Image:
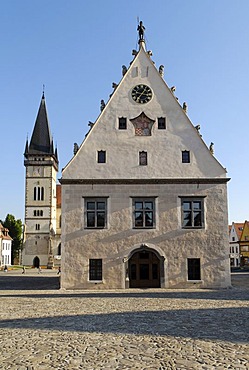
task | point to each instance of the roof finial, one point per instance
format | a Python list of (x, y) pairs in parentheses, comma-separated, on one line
[(141, 29), (43, 90)]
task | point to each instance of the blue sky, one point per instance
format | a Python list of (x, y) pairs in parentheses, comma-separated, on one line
[(77, 48)]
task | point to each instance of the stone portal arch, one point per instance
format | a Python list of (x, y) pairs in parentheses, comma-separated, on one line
[(36, 262), (145, 267)]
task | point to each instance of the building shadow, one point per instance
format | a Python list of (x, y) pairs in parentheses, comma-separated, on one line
[(207, 324)]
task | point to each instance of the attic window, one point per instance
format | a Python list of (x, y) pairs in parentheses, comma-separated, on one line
[(122, 123), (185, 156), (143, 158), (161, 123), (101, 156)]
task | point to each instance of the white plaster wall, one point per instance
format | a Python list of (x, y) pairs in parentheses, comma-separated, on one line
[(114, 243)]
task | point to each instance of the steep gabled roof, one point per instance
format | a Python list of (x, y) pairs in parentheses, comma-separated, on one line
[(164, 147), (245, 232), (4, 233), (238, 228), (58, 195)]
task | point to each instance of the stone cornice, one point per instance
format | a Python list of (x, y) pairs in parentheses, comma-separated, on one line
[(219, 180)]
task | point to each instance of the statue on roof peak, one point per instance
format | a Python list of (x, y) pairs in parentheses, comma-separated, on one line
[(141, 30)]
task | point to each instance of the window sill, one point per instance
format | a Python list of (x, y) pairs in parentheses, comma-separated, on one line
[(193, 227), (194, 281), (95, 228), (96, 281), (143, 228)]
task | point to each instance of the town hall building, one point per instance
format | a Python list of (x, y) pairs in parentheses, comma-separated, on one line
[(144, 200)]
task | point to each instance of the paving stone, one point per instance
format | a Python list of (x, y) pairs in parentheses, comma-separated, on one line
[(132, 329)]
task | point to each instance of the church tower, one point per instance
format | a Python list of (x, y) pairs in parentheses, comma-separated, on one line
[(41, 162)]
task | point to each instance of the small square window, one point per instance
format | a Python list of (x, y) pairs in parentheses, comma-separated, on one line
[(161, 123), (143, 158), (194, 269), (185, 156), (102, 156), (122, 123), (95, 269)]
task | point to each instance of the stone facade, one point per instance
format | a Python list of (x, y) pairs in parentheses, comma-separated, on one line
[(162, 198), (41, 234)]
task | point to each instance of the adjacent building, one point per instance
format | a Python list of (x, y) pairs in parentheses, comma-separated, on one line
[(244, 244), (5, 246), (235, 232), (42, 196), (144, 200)]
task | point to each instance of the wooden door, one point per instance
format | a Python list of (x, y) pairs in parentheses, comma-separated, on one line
[(144, 270)]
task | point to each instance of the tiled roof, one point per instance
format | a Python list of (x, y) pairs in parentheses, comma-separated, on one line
[(4, 233), (58, 196), (238, 228)]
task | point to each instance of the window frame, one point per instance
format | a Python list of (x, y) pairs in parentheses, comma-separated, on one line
[(95, 272), (101, 156), (185, 156), (143, 158), (192, 211), (38, 193), (96, 211), (122, 123), (194, 271), (144, 211), (161, 123)]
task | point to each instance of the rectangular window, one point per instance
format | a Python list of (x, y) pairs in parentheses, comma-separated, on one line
[(122, 123), (102, 156), (161, 121), (37, 226), (95, 269), (96, 213), (192, 213), (185, 156), (144, 213), (194, 269), (143, 159)]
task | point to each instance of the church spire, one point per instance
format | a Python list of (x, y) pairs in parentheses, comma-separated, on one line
[(41, 141)]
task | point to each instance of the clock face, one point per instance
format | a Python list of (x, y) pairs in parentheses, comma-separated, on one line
[(141, 94)]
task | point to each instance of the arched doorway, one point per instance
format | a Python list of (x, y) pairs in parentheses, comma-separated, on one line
[(36, 262), (144, 269)]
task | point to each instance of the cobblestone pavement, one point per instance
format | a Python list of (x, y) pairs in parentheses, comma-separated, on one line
[(42, 327)]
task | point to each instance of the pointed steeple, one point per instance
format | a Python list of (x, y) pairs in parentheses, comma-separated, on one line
[(26, 152), (41, 141)]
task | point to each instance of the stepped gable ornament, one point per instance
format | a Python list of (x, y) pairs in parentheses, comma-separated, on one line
[(185, 107), (142, 125), (75, 148), (102, 105), (141, 29), (124, 70), (161, 70)]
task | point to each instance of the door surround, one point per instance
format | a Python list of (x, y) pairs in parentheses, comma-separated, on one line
[(147, 248)]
